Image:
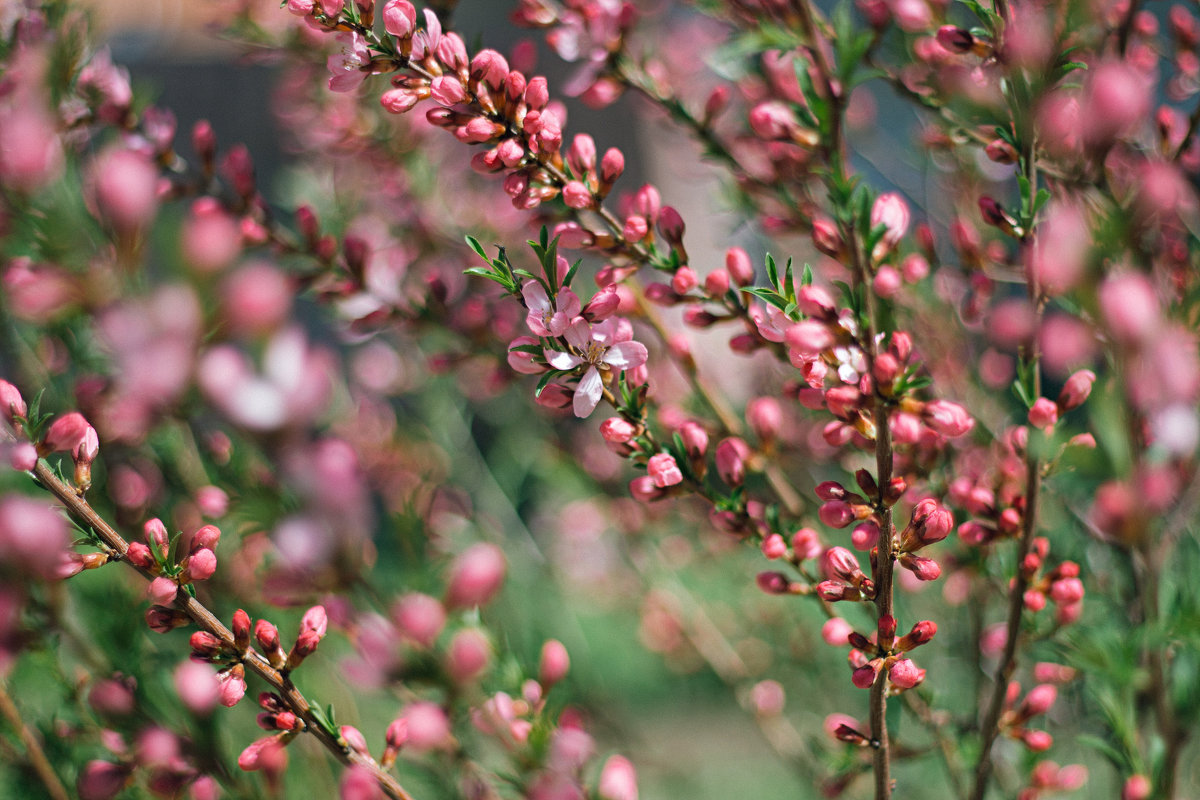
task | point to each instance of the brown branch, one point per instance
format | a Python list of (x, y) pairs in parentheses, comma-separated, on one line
[(33, 749), (204, 619), (1033, 481)]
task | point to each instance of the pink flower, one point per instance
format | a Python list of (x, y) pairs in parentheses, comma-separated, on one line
[(553, 664), (603, 347), (906, 674), (891, 211), (428, 727), (664, 471), (12, 405), (232, 686), (836, 632), (399, 18), (33, 536), (548, 318), (618, 780), (101, 780), (948, 419), (197, 686), (1137, 787), (346, 65), (1043, 414), (1076, 390), (124, 188), (66, 433), (420, 618), (468, 655), (475, 576)]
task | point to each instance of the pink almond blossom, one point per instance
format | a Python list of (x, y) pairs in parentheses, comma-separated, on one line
[(548, 318), (604, 347)]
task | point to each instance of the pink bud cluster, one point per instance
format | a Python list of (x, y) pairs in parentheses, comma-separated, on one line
[(154, 557), (883, 653), (1036, 702), (170, 769)]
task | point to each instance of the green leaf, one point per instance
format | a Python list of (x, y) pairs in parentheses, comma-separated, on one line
[(491, 276), (546, 378), (474, 244), (1115, 756), (1038, 202), (571, 272), (769, 295)]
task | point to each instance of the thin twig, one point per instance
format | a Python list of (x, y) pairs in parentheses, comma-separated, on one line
[(33, 749), (204, 619), (1016, 596)]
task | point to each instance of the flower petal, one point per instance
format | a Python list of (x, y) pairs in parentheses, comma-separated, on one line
[(626, 355), (536, 299), (561, 360), (587, 393), (579, 334)]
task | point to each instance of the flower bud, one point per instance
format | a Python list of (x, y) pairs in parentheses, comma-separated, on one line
[(906, 674), (955, 39), (827, 239), (1076, 390), (241, 630), (1137, 787), (773, 582), (553, 664), (139, 555), (65, 434), (618, 780), (103, 780), (205, 646), (836, 513), (949, 419), (836, 632), (731, 458), (695, 439), (161, 619), (163, 591), (716, 283), (840, 564), (611, 166), (399, 18), (156, 535), (765, 416), (664, 471), (737, 264), (891, 211), (12, 405), (1043, 414), (468, 655), (475, 576), (864, 676), (232, 685), (926, 569), (419, 618), (199, 566)]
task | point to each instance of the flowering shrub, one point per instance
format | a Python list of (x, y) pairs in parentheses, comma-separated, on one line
[(326, 433)]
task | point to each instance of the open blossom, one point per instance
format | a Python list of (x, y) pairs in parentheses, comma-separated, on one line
[(546, 318), (603, 347), (891, 211), (346, 65)]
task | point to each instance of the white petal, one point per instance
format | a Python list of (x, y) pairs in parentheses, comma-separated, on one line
[(561, 360), (579, 334), (587, 393), (536, 299), (626, 355)]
